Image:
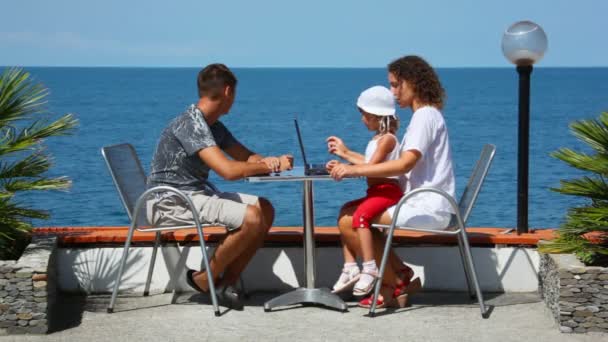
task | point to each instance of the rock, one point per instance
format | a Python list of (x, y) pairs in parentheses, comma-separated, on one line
[(565, 329), (578, 270), (582, 313), (39, 329), (24, 316), (38, 316), (39, 277), (570, 324), (40, 284), (580, 330), (564, 282), (22, 323), (6, 324), (592, 308)]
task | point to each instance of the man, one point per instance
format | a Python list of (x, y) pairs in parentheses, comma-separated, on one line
[(193, 144)]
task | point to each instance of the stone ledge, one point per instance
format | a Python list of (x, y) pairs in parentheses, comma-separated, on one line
[(577, 295), (27, 288)]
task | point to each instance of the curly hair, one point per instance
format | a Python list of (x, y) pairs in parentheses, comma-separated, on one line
[(421, 77)]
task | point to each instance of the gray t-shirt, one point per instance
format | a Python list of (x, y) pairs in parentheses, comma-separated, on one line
[(176, 162)]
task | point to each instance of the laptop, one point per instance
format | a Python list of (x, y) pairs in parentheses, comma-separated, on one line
[(309, 169)]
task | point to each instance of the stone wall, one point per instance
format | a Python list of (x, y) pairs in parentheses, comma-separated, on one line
[(27, 289), (576, 294)]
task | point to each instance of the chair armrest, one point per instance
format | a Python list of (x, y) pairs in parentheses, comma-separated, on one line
[(402, 201)]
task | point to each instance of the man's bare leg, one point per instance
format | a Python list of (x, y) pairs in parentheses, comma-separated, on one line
[(234, 245), (234, 270)]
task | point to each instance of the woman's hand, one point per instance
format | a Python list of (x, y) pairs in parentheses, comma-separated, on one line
[(336, 146), (341, 170), (331, 164)]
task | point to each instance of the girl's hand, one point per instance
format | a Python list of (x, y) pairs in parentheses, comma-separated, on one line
[(340, 171), (331, 164), (336, 146)]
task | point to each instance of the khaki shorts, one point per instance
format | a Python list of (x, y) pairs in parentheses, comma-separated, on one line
[(226, 208)]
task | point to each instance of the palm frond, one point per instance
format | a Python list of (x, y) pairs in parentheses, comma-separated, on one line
[(19, 97), (593, 132), (589, 187), (32, 135), (31, 166), (597, 163), (37, 184)]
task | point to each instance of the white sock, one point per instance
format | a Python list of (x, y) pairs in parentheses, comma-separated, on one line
[(350, 265), (370, 267)]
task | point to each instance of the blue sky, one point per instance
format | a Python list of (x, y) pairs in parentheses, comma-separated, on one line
[(310, 33)]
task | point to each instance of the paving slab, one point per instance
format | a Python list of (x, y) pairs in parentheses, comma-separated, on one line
[(431, 317)]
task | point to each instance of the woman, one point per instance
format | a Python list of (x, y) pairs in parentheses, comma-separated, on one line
[(425, 160)]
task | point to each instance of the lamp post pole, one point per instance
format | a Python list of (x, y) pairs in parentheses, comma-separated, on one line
[(523, 44), (523, 148)]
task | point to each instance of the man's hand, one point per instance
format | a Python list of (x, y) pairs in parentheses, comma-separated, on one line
[(286, 162), (341, 170), (273, 163), (336, 146)]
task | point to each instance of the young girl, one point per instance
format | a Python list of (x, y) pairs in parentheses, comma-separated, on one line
[(377, 107)]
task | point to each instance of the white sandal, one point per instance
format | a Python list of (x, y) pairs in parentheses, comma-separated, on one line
[(361, 289), (347, 280)]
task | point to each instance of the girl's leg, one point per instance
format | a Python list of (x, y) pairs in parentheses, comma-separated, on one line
[(373, 205), (350, 272)]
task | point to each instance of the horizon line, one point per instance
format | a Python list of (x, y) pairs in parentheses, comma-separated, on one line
[(289, 67)]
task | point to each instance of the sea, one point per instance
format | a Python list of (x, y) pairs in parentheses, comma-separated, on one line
[(116, 105)]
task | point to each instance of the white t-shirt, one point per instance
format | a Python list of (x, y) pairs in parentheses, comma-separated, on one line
[(428, 134)]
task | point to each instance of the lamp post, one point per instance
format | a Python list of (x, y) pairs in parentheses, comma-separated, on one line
[(523, 44)]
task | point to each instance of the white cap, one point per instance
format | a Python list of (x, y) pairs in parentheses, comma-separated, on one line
[(377, 100)]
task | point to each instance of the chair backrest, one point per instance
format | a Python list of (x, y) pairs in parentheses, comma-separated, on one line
[(469, 195), (128, 176)]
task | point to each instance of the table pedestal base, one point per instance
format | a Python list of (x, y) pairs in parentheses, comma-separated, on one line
[(303, 295)]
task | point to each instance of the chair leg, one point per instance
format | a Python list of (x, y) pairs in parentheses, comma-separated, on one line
[(389, 239), (469, 257), (201, 237), (465, 265), (123, 261), (152, 262)]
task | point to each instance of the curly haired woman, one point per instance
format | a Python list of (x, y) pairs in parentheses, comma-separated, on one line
[(425, 160)]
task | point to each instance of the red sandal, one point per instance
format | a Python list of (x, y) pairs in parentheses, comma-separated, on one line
[(396, 301), (405, 274)]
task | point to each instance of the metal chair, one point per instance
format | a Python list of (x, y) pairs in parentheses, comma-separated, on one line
[(130, 181), (456, 226)]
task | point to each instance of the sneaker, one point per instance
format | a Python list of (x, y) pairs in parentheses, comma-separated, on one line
[(347, 280)]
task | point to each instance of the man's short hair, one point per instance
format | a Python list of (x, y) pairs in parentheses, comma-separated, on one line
[(212, 80)]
